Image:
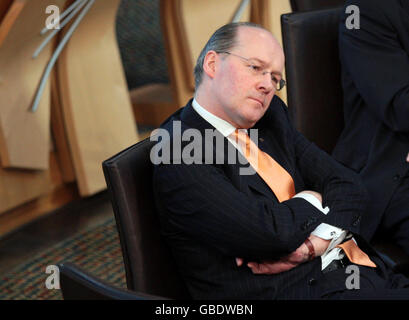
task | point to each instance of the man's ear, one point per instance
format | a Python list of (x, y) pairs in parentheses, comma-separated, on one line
[(209, 64)]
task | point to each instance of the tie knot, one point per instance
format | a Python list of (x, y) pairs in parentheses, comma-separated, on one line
[(241, 135), (242, 139)]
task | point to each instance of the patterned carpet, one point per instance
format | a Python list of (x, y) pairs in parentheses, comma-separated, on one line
[(96, 250)]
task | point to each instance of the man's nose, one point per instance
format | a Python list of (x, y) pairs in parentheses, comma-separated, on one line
[(266, 83)]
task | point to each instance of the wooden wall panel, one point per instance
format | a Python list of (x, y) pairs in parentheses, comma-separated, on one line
[(59, 133), (9, 12), (177, 55), (4, 6), (24, 135), (18, 186), (202, 18), (96, 105), (276, 8)]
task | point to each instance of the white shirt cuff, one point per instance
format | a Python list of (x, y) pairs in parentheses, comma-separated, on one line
[(313, 200), (326, 232)]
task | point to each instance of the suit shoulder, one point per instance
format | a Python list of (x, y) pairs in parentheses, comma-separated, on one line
[(363, 4), (277, 112), (374, 8), (176, 116)]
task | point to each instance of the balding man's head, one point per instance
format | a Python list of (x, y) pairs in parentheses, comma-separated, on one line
[(238, 73), (224, 39)]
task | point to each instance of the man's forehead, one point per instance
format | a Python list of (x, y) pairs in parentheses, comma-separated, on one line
[(258, 44), (245, 33), (256, 39)]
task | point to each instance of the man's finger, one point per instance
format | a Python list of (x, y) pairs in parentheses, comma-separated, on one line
[(261, 268), (254, 266), (239, 262)]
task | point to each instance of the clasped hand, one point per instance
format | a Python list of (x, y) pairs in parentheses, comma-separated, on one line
[(300, 255)]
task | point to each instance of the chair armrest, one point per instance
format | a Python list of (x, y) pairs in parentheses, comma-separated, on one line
[(77, 284)]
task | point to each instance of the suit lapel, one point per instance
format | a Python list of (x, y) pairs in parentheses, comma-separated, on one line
[(270, 144), (256, 183), (190, 117)]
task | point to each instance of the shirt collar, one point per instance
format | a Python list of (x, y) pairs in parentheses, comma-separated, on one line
[(225, 128)]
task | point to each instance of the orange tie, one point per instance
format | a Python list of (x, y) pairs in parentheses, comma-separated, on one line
[(276, 177), (356, 255)]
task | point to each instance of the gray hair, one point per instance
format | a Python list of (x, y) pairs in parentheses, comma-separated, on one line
[(224, 39)]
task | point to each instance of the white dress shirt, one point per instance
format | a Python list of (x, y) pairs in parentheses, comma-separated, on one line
[(324, 231)]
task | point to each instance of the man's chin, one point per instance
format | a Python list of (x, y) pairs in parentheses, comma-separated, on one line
[(254, 118), (249, 123), (248, 120)]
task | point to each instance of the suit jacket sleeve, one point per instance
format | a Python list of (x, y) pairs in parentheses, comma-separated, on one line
[(201, 202), (342, 189), (375, 58)]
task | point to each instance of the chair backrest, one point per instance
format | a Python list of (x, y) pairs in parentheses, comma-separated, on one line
[(149, 265), (315, 99), (76, 284), (306, 5)]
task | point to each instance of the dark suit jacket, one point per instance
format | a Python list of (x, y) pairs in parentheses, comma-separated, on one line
[(211, 214), (375, 78)]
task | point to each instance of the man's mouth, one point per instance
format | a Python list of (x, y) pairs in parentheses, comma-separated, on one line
[(260, 101)]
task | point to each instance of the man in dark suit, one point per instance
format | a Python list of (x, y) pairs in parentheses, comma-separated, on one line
[(251, 224), (375, 140)]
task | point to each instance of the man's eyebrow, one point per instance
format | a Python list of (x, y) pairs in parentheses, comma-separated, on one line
[(264, 63), (258, 60)]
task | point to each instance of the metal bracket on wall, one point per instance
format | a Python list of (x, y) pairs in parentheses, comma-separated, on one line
[(240, 10), (72, 11)]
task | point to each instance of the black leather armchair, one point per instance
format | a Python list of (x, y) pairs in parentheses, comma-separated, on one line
[(315, 97), (149, 265), (76, 284), (313, 71)]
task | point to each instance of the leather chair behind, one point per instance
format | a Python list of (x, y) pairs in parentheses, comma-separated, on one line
[(76, 284), (149, 265), (306, 5), (310, 41), (315, 96)]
